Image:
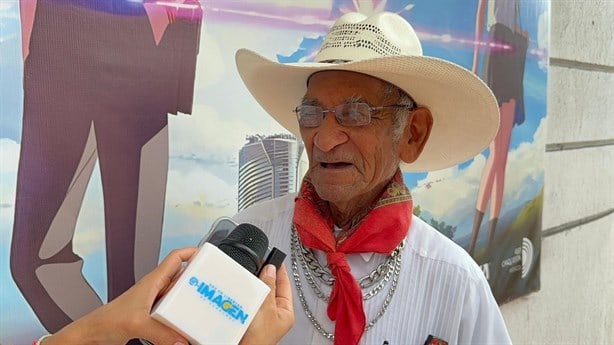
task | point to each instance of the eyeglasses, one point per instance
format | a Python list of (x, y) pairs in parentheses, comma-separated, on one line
[(347, 114)]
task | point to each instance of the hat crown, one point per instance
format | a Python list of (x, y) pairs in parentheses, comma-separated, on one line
[(464, 110), (354, 36)]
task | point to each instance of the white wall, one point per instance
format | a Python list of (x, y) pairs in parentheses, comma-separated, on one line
[(576, 302)]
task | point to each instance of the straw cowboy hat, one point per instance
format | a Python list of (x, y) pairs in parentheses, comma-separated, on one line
[(385, 46)]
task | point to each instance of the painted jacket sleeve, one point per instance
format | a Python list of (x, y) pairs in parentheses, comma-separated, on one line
[(159, 14)]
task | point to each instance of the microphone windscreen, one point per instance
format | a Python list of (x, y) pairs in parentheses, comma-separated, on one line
[(247, 245)]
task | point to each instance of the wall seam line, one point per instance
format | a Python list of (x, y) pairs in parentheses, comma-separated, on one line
[(586, 66), (552, 147), (575, 223)]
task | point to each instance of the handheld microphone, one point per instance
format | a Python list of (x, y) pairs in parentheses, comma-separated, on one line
[(218, 294)]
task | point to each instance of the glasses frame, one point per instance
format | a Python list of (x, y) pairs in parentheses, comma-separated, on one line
[(338, 110)]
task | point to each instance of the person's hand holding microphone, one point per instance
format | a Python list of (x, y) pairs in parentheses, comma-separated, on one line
[(128, 316)]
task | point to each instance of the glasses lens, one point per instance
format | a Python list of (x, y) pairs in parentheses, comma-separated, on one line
[(309, 115), (353, 114)]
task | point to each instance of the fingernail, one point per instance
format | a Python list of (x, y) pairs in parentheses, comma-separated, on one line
[(179, 343), (270, 271)]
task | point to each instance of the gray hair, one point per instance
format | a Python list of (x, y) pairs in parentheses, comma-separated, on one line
[(394, 95)]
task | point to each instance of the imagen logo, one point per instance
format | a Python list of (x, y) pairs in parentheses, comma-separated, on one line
[(219, 300)]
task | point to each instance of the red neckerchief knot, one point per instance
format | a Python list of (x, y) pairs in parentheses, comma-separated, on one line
[(336, 259), (380, 231)]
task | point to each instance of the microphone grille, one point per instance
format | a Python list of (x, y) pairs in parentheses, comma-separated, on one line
[(247, 245)]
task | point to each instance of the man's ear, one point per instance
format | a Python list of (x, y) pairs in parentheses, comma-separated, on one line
[(417, 131)]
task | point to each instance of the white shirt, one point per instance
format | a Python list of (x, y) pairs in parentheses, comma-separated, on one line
[(441, 291)]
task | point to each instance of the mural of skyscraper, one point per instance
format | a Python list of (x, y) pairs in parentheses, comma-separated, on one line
[(269, 167)]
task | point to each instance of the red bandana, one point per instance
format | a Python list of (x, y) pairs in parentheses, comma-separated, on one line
[(380, 231)]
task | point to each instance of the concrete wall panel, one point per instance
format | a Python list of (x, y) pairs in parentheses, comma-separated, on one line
[(574, 305), (581, 105), (577, 184), (583, 30)]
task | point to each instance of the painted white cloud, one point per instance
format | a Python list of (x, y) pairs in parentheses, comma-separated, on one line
[(543, 30), (8, 9), (543, 38), (451, 189), (205, 131), (454, 196), (199, 194), (9, 157), (210, 66), (528, 159), (194, 199)]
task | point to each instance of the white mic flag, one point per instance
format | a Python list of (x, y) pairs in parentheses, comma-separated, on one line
[(218, 294)]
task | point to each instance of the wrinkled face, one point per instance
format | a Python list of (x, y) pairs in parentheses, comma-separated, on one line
[(349, 166)]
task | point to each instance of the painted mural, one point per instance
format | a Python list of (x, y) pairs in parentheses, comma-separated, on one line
[(122, 121)]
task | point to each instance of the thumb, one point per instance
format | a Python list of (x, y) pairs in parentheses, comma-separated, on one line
[(269, 277)]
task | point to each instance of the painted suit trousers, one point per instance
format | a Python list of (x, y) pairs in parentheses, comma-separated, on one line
[(96, 86)]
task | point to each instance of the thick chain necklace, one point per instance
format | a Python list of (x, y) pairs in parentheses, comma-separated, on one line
[(312, 267), (391, 268)]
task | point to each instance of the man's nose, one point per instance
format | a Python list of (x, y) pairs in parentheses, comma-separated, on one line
[(330, 133)]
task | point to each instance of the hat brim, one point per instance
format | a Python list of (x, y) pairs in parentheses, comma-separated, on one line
[(465, 112)]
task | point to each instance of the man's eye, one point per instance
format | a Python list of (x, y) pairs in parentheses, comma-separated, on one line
[(353, 113), (308, 112)]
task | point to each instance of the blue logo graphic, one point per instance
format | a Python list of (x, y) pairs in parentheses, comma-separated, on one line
[(219, 299)]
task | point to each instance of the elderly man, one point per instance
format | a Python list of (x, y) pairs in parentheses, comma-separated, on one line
[(364, 269)]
